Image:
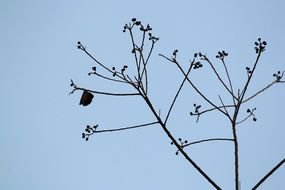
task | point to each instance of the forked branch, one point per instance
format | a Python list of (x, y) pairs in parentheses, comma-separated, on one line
[(139, 82)]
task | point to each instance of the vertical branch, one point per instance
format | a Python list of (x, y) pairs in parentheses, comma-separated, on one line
[(144, 71), (236, 155), (134, 51), (141, 49), (230, 81), (259, 49)]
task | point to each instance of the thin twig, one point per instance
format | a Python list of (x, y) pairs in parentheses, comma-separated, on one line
[(150, 52), (245, 100), (250, 77), (195, 88), (239, 122), (212, 109), (92, 57), (104, 93), (134, 49), (268, 174), (260, 91), (180, 87), (207, 140), (220, 79), (225, 108), (229, 79), (141, 49), (126, 128), (107, 78)]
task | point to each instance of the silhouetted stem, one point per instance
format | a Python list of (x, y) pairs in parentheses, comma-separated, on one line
[(225, 108), (245, 100), (230, 81), (234, 121), (260, 91), (269, 174), (104, 93), (220, 79), (135, 53), (176, 96), (193, 86), (126, 128), (207, 140), (178, 146), (98, 62), (110, 79), (236, 155), (239, 122)]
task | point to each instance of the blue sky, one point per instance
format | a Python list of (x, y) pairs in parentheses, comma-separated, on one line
[(41, 125)]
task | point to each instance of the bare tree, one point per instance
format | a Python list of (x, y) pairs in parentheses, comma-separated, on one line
[(140, 83)]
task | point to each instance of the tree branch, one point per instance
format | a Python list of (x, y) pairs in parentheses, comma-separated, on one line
[(80, 46), (178, 146), (260, 91), (227, 113), (217, 74), (180, 87), (207, 140), (104, 93), (107, 78), (195, 88), (268, 174), (259, 50), (125, 128), (230, 81)]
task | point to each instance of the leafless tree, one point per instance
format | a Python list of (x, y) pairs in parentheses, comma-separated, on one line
[(140, 83)]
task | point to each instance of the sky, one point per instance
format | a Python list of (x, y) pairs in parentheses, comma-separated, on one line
[(41, 124)]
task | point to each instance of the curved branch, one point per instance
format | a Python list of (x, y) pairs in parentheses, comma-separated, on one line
[(243, 120), (207, 140)]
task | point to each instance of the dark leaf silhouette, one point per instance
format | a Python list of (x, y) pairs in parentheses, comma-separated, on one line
[(86, 98)]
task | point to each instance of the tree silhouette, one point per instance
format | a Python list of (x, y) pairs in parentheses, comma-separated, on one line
[(139, 81)]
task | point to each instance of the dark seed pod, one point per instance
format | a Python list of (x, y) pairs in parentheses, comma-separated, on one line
[(86, 98), (137, 23)]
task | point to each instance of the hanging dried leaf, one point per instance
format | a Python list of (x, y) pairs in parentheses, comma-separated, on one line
[(86, 98)]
